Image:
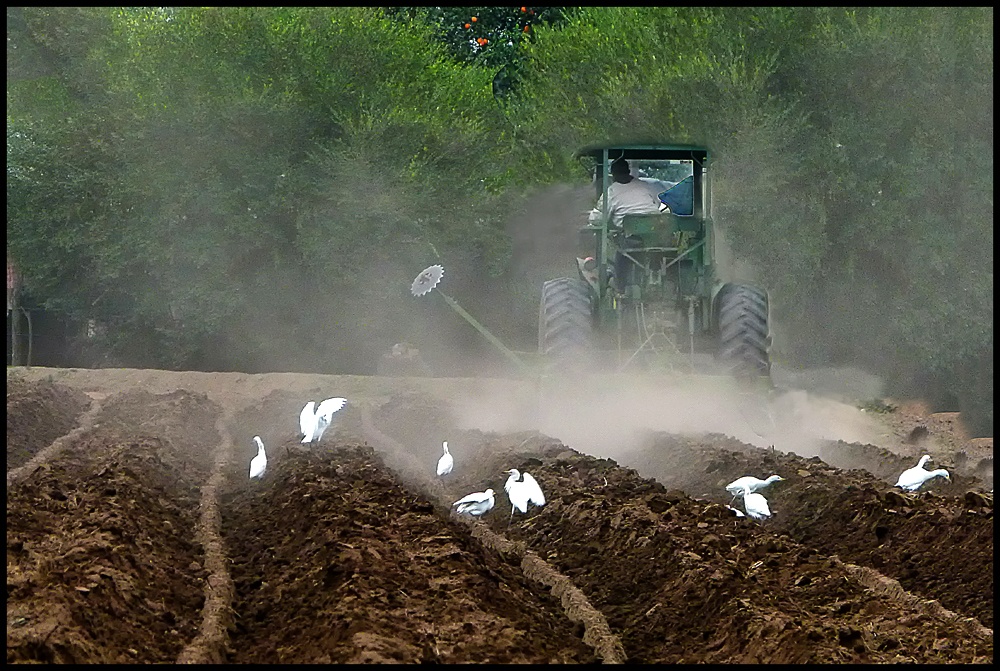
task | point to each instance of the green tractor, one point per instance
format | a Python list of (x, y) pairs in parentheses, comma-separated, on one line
[(649, 297)]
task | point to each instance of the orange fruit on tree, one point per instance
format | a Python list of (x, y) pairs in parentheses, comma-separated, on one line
[(474, 19), (468, 25)]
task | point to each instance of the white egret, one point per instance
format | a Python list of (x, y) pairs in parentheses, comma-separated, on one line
[(476, 504), (259, 463), (522, 489), (755, 484), (446, 462), (307, 421), (755, 505), (736, 511), (314, 421), (324, 415), (913, 478)]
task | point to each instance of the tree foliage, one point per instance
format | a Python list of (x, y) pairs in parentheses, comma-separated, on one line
[(241, 187), (490, 36), (255, 144)]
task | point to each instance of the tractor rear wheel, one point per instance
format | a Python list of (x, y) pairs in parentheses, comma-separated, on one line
[(565, 326), (744, 338)]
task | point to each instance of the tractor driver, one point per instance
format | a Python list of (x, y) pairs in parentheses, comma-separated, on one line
[(628, 195)]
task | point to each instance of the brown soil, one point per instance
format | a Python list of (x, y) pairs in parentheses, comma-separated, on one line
[(912, 430), (37, 414), (101, 566), (141, 538)]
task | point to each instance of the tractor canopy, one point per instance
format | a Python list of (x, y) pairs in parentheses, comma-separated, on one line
[(644, 151), (677, 169)]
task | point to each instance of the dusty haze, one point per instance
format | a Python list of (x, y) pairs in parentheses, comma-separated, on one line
[(606, 416)]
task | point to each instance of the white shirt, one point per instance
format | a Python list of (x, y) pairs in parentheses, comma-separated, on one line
[(636, 197)]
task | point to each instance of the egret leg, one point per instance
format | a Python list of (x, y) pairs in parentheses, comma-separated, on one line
[(511, 517)]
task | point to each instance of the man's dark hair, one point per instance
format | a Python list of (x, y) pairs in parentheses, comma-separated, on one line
[(620, 171)]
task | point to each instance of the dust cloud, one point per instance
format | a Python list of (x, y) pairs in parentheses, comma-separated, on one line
[(545, 238), (608, 416), (349, 332)]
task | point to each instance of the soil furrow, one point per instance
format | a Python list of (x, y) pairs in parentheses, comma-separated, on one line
[(597, 634), (135, 535), (880, 584), (333, 535), (334, 561), (212, 640), (37, 414), (86, 423), (101, 564), (731, 575), (937, 543)]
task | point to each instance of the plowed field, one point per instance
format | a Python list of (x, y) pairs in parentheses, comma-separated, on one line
[(135, 535)]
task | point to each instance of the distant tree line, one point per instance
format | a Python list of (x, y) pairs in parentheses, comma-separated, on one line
[(254, 187)]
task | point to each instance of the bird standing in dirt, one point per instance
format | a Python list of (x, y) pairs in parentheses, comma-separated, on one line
[(755, 504), (755, 484), (522, 489), (913, 478), (259, 463), (446, 462), (475, 504)]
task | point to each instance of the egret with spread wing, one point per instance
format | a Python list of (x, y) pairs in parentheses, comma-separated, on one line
[(475, 504), (314, 421), (324, 415)]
